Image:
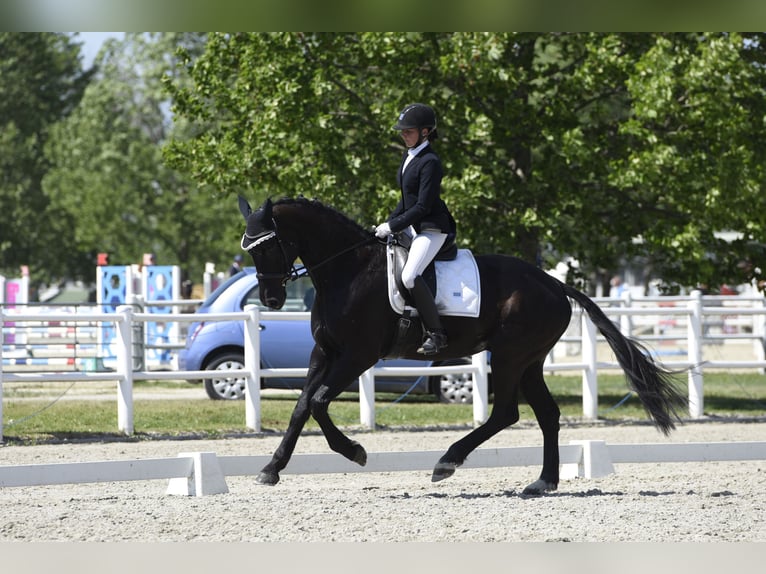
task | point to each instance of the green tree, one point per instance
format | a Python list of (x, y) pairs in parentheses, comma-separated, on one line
[(41, 82), (109, 179), (695, 164), (597, 146)]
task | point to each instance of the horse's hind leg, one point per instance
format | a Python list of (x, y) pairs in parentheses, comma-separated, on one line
[(505, 412), (547, 413)]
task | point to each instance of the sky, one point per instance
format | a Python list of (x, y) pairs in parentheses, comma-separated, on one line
[(92, 42)]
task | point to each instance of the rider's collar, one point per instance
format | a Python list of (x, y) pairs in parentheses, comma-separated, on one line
[(413, 151)]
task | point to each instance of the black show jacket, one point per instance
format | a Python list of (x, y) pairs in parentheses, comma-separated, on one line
[(421, 204)]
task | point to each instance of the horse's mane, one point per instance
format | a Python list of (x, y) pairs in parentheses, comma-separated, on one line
[(334, 216)]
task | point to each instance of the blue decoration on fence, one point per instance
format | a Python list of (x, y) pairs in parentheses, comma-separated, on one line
[(158, 286), (114, 292)]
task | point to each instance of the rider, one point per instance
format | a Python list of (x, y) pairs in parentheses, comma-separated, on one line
[(423, 213)]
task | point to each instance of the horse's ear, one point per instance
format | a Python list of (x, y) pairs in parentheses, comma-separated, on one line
[(266, 209), (244, 207)]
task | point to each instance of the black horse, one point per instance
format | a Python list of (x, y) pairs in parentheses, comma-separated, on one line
[(524, 311)]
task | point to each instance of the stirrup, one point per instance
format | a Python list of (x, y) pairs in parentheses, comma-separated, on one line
[(434, 342)]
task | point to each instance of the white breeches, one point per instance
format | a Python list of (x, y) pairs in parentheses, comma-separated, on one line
[(425, 246)]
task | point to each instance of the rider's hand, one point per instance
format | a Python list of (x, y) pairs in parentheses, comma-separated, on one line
[(383, 230)]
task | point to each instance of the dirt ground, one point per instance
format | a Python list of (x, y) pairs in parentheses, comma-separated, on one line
[(668, 502)]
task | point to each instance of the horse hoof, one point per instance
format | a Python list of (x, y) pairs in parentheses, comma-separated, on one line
[(443, 470), (540, 486), (360, 455), (267, 478)]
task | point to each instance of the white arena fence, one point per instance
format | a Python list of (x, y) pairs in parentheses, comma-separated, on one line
[(683, 320), (204, 473)]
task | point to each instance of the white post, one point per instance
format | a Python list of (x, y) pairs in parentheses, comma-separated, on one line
[(138, 336), (759, 330), (480, 388), (595, 461), (694, 343), (589, 374), (207, 279), (206, 477), (367, 399), (253, 367), (626, 321), (124, 323), (2, 325)]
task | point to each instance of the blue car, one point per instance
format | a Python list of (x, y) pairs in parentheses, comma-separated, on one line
[(218, 346)]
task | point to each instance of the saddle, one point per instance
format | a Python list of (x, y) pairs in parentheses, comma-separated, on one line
[(452, 275)]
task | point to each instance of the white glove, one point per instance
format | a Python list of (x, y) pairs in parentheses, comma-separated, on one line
[(383, 230)]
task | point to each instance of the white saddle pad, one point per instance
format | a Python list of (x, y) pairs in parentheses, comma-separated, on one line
[(458, 292)]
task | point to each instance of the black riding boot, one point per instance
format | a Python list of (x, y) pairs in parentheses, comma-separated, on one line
[(435, 337)]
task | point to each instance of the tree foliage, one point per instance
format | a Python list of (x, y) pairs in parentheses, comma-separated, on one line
[(41, 82), (108, 177), (597, 146), (600, 147)]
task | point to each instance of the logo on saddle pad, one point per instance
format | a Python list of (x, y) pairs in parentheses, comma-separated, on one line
[(458, 292)]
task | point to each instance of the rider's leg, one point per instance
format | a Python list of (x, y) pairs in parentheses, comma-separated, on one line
[(424, 248), (435, 337)]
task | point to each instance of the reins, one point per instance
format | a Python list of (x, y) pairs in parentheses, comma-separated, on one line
[(369, 239), (296, 274)]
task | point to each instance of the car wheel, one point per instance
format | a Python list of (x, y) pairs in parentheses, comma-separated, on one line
[(453, 387), (222, 386)]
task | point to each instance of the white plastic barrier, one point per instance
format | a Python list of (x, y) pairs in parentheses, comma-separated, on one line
[(204, 473)]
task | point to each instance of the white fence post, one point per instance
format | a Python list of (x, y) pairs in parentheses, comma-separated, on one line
[(626, 321), (367, 398), (124, 324), (759, 330), (694, 343), (2, 325), (589, 373), (480, 388), (253, 367)]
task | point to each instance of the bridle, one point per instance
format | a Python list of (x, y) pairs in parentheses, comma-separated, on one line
[(291, 272)]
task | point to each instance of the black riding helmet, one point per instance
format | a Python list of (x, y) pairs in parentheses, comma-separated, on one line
[(417, 116)]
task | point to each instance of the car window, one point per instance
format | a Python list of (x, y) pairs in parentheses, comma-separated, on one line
[(224, 286), (300, 296)]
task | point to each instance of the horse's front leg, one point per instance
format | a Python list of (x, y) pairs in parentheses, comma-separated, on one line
[(339, 377), (269, 474), (336, 440)]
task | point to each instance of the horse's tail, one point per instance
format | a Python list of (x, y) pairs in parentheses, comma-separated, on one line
[(656, 387)]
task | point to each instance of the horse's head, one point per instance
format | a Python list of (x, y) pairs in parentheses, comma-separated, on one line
[(273, 257)]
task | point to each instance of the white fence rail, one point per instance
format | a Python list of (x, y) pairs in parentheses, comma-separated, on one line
[(691, 332)]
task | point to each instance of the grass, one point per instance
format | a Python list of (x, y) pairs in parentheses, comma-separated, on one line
[(43, 419)]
